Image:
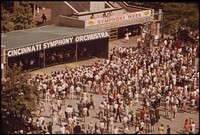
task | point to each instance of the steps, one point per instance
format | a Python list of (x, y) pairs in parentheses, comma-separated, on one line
[(77, 6), (113, 34)]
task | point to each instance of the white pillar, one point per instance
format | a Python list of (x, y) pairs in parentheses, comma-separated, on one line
[(160, 14), (159, 24), (158, 29), (34, 11), (76, 52), (44, 58), (152, 13)]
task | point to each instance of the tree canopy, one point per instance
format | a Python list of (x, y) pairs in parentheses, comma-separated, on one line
[(175, 14), (7, 19), (22, 19), (18, 96), (180, 14)]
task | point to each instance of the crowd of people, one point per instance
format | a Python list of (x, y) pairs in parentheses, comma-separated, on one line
[(161, 77), (54, 56)]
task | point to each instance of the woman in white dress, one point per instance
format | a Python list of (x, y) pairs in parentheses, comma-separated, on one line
[(84, 96)]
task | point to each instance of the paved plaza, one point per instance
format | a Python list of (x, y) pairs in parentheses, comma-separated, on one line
[(176, 125)]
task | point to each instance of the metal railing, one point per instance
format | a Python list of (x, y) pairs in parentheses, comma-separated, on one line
[(71, 7)]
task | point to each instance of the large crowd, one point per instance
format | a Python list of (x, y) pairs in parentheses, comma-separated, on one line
[(162, 76)]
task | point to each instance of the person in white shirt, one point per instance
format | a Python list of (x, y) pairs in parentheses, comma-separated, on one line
[(192, 105), (165, 42), (125, 121), (74, 119), (111, 124), (167, 100), (44, 86), (126, 130), (84, 114), (70, 120), (136, 97), (115, 131), (137, 130), (174, 111), (47, 95), (59, 90), (141, 126), (71, 92), (140, 73), (130, 119), (52, 108), (62, 128), (54, 118), (41, 119), (59, 102), (127, 110), (193, 125), (86, 87), (71, 109), (63, 93), (89, 85), (102, 126), (67, 112), (55, 87), (78, 92), (115, 107), (84, 95), (90, 127)]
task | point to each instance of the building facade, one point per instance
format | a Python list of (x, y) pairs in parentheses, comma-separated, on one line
[(116, 17)]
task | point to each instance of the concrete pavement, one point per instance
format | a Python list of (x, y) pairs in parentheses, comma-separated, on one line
[(176, 125)]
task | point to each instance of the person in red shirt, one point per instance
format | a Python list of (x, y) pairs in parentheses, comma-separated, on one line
[(197, 100), (142, 112)]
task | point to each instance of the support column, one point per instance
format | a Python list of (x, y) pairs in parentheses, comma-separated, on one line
[(76, 52), (159, 25), (34, 11), (44, 59), (158, 29), (3, 61)]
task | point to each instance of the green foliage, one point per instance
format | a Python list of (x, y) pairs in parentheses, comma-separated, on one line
[(180, 14), (18, 96), (175, 14), (24, 17), (6, 21)]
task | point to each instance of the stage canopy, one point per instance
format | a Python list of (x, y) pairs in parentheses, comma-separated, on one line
[(41, 38)]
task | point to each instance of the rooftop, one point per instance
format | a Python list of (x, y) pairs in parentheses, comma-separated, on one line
[(40, 34)]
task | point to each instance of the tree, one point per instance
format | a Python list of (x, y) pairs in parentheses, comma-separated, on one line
[(18, 97), (6, 21), (24, 17), (175, 14), (180, 14)]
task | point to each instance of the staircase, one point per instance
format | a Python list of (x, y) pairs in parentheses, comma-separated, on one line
[(115, 4), (127, 7), (77, 6), (113, 34)]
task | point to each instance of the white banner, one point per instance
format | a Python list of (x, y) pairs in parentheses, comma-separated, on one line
[(117, 18), (57, 42)]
